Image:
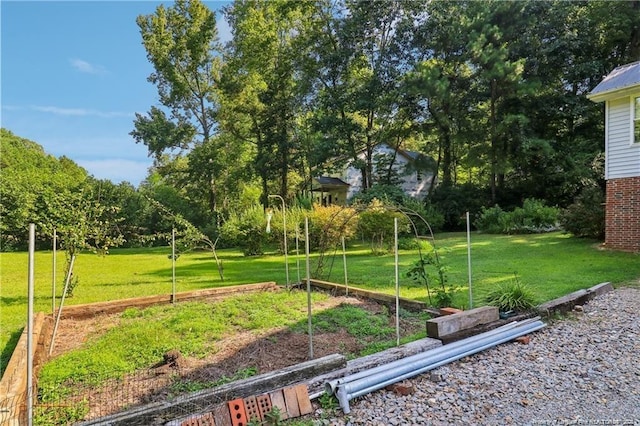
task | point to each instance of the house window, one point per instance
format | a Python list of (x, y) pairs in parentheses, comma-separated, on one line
[(636, 121)]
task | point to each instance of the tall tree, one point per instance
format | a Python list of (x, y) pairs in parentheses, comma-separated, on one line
[(440, 84), (262, 96), (182, 44), (358, 56)]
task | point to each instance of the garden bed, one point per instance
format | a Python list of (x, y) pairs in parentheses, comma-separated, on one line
[(238, 355)]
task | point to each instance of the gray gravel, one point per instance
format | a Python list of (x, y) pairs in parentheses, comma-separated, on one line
[(583, 369)]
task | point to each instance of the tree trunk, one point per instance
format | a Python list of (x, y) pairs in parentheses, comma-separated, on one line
[(494, 142), (634, 42)]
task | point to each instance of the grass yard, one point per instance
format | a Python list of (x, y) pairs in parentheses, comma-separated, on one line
[(551, 264)]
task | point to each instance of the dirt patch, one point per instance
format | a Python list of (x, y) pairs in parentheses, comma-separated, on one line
[(245, 353)]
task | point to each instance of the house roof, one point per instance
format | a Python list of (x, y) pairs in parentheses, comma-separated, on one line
[(617, 83), (327, 181)]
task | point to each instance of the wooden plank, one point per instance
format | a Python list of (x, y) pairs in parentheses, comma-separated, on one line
[(449, 324), (291, 399), (93, 309), (277, 400), (304, 403), (568, 301), (385, 299), (221, 415)]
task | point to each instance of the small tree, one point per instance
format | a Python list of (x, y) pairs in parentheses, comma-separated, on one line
[(82, 222)]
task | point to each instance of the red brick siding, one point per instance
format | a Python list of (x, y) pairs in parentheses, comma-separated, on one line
[(622, 229)]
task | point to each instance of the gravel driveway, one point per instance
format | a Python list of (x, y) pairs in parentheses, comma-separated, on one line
[(583, 370)]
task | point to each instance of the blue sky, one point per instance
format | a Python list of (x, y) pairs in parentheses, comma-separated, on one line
[(73, 74)]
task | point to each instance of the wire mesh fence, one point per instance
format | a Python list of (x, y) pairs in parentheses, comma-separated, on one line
[(78, 402)]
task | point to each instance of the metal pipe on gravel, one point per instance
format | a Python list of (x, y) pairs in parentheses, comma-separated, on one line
[(370, 383), (331, 386)]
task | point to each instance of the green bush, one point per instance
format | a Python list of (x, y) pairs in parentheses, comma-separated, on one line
[(532, 217), (453, 201), (413, 244), (376, 224), (428, 212), (491, 220), (512, 296), (386, 193), (586, 216), (247, 230), (328, 224)]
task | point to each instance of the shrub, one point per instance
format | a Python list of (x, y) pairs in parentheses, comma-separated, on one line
[(491, 220), (532, 217), (511, 296), (247, 230), (428, 212), (328, 224), (413, 244), (453, 201), (586, 216), (376, 224), (387, 193)]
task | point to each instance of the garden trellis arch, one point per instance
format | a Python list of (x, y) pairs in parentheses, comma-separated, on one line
[(357, 209), (406, 212)]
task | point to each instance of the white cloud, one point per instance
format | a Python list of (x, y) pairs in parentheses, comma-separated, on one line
[(80, 112), (117, 170), (86, 67)]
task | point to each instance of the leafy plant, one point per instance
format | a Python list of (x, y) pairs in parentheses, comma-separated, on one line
[(273, 417), (328, 401), (377, 225), (513, 295), (428, 270), (491, 220), (533, 217), (585, 217), (328, 224), (247, 230)]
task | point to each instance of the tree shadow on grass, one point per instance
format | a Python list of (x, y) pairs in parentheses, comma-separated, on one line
[(5, 356)]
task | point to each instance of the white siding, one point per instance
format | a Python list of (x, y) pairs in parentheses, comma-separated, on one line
[(622, 156)]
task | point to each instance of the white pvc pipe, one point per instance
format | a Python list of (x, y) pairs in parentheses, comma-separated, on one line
[(469, 261), (344, 266), (173, 265), (53, 276), (397, 276), (310, 326), (30, 286)]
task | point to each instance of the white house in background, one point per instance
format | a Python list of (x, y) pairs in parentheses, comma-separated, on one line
[(415, 178), (620, 91)]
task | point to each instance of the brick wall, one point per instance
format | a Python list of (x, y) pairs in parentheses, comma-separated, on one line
[(623, 214)]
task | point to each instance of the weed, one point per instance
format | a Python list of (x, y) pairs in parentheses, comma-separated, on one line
[(328, 402), (60, 414), (273, 417)]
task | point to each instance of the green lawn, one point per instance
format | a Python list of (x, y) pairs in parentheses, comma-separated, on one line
[(552, 264)]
